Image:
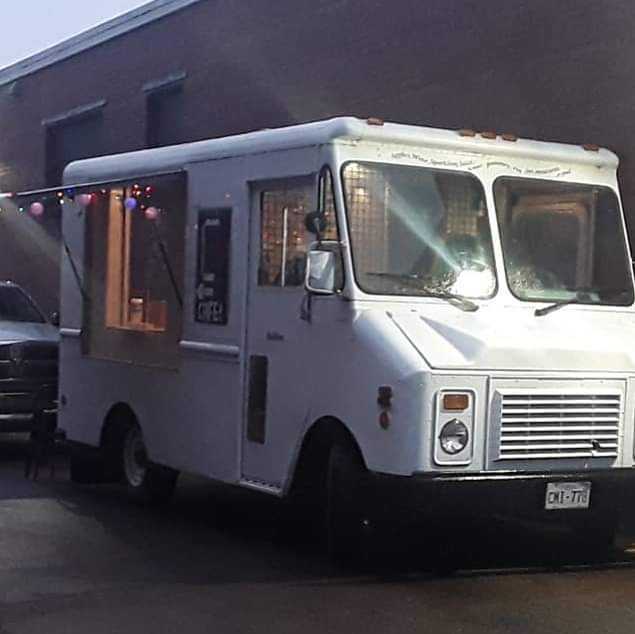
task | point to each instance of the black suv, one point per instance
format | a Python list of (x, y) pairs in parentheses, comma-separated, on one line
[(29, 345)]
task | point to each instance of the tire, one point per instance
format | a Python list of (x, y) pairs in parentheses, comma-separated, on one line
[(347, 522), (144, 480), (302, 516)]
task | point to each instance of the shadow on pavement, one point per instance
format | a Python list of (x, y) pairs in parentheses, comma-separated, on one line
[(215, 533)]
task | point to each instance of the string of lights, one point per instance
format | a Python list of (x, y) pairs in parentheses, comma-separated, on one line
[(134, 197)]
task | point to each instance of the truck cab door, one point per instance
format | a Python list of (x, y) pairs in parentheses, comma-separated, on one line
[(279, 341)]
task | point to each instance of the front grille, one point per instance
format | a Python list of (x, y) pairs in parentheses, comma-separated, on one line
[(29, 360), (553, 426), (21, 398), (38, 350)]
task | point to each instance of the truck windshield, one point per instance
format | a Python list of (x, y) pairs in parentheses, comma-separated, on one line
[(16, 306), (563, 242), (418, 231)]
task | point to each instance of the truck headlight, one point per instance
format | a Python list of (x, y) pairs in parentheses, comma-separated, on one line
[(454, 427), (454, 437)]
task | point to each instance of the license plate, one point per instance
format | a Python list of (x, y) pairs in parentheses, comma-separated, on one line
[(568, 495)]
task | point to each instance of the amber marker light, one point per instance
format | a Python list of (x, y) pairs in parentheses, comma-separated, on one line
[(384, 420), (456, 402), (384, 397)]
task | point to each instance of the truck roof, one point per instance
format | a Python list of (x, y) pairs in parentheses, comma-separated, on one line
[(176, 157)]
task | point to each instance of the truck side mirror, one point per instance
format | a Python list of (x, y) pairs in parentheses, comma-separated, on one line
[(315, 223), (55, 319), (320, 272)]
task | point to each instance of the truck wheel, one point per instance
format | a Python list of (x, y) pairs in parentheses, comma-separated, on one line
[(146, 482), (347, 523)]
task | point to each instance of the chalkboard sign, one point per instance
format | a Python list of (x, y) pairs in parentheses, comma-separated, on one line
[(212, 287)]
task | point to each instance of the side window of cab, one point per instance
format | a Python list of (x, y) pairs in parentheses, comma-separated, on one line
[(284, 238)]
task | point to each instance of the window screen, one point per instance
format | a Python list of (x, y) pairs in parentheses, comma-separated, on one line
[(418, 231), (284, 237), (563, 242)]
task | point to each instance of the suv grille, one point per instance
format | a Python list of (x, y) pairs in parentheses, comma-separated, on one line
[(547, 426), (29, 360)]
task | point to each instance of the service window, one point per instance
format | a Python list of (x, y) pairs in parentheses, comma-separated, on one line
[(134, 265), (283, 235), (212, 285)]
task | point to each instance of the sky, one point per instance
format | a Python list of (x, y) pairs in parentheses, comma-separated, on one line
[(29, 26)]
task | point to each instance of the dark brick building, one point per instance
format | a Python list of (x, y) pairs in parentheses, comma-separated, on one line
[(179, 70)]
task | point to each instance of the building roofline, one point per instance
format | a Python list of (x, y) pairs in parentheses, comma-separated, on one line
[(95, 36)]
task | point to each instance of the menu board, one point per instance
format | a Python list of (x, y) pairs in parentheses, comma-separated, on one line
[(212, 288)]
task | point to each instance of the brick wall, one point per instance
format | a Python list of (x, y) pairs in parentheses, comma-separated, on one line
[(557, 71)]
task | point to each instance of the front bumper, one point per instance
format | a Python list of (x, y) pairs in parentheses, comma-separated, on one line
[(23, 404), (507, 494), (17, 423)]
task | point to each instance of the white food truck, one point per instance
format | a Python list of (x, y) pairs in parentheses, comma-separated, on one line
[(360, 312)]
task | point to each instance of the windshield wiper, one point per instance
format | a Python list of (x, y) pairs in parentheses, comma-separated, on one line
[(459, 301), (452, 298), (541, 312), (582, 296)]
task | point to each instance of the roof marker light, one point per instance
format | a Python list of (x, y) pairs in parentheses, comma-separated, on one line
[(488, 134), (467, 132), (375, 121), (509, 137), (591, 147)]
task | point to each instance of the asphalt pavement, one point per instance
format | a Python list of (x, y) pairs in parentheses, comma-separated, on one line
[(89, 560)]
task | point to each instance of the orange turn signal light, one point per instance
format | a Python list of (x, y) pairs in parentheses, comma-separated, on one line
[(456, 402)]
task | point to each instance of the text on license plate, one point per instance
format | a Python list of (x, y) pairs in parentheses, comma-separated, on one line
[(568, 495)]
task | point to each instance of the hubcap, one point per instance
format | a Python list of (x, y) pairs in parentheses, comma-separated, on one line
[(135, 458)]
